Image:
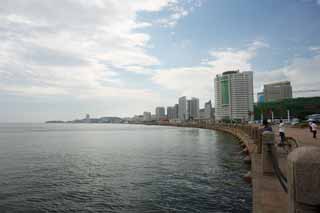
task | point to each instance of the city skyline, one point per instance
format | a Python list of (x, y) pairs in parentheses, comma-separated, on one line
[(60, 59)]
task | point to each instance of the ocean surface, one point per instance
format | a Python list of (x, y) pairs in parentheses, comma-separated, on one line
[(120, 168)]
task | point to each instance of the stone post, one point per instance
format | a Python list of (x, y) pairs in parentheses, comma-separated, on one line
[(257, 135), (259, 142), (267, 144), (254, 134), (304, 180)]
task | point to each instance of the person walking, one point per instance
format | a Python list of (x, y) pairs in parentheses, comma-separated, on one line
[(282, 132), (314, 129)]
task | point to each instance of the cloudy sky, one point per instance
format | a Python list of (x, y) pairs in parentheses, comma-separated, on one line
[(61, 59)]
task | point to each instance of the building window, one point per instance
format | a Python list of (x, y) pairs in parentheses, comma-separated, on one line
[(225, 92)]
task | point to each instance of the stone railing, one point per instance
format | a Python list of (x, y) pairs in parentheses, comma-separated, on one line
[(301, 178), (303, 174)]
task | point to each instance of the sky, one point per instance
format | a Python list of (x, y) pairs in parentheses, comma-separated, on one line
[(60, 60)]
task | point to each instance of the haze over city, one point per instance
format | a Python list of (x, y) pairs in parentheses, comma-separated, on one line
[(63, 59)]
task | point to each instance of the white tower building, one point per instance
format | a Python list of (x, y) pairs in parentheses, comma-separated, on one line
[(182, 110), (147, 116), (193, 108), (234, 95), (160, 113)]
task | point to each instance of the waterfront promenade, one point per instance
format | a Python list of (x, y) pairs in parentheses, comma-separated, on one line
[(268, 194), (303, 136)]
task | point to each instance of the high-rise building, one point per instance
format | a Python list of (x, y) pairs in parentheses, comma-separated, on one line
[(208, 112), (202, 114), (176, 111), (160, 113), (147, 116), (260, 97), (193, 108), (188, 114), (182, 110), (153, 117), (137, 118), (277, 91), (171, 112), (234, 95)]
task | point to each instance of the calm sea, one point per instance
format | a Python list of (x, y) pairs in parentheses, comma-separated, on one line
[(119, 168)]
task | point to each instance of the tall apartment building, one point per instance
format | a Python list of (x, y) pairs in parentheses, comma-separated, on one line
[(171, 112), (202, 114), (176, 111), (160, 113), (277, 91), (193, 108), (147, 116), (208, 111), (234, 95), (182, 109)]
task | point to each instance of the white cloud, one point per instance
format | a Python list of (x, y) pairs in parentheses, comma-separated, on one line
[(198, 81), (314, 49), (302, 72), (231, 59), (32, 90), (173, 19), (311, 1), (178, 11), (70, 46), (190, 81)]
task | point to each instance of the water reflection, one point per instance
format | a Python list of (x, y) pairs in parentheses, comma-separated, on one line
[(121, 168)]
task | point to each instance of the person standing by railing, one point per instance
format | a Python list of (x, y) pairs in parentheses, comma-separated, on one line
[(282, 132), (314, 129), (266, 126), (310, 123)]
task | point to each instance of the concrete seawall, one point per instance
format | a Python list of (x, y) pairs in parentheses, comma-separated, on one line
[(284, 178), (269, 195)]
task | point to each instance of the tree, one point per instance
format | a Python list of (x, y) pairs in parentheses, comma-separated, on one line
[(299, 107)]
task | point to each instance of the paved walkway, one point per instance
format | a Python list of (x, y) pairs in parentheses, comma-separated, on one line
[(303, 136), (269, 196)]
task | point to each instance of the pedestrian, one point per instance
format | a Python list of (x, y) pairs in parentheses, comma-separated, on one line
[(266, 126), (314, 129), (282, 132), (310, 125)]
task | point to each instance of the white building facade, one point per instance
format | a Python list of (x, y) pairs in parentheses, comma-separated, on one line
[(176, 111), (234, 96), (160, 113), (171, 112), (193, 108), (208, 110), (147, 116), (182, 109)]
